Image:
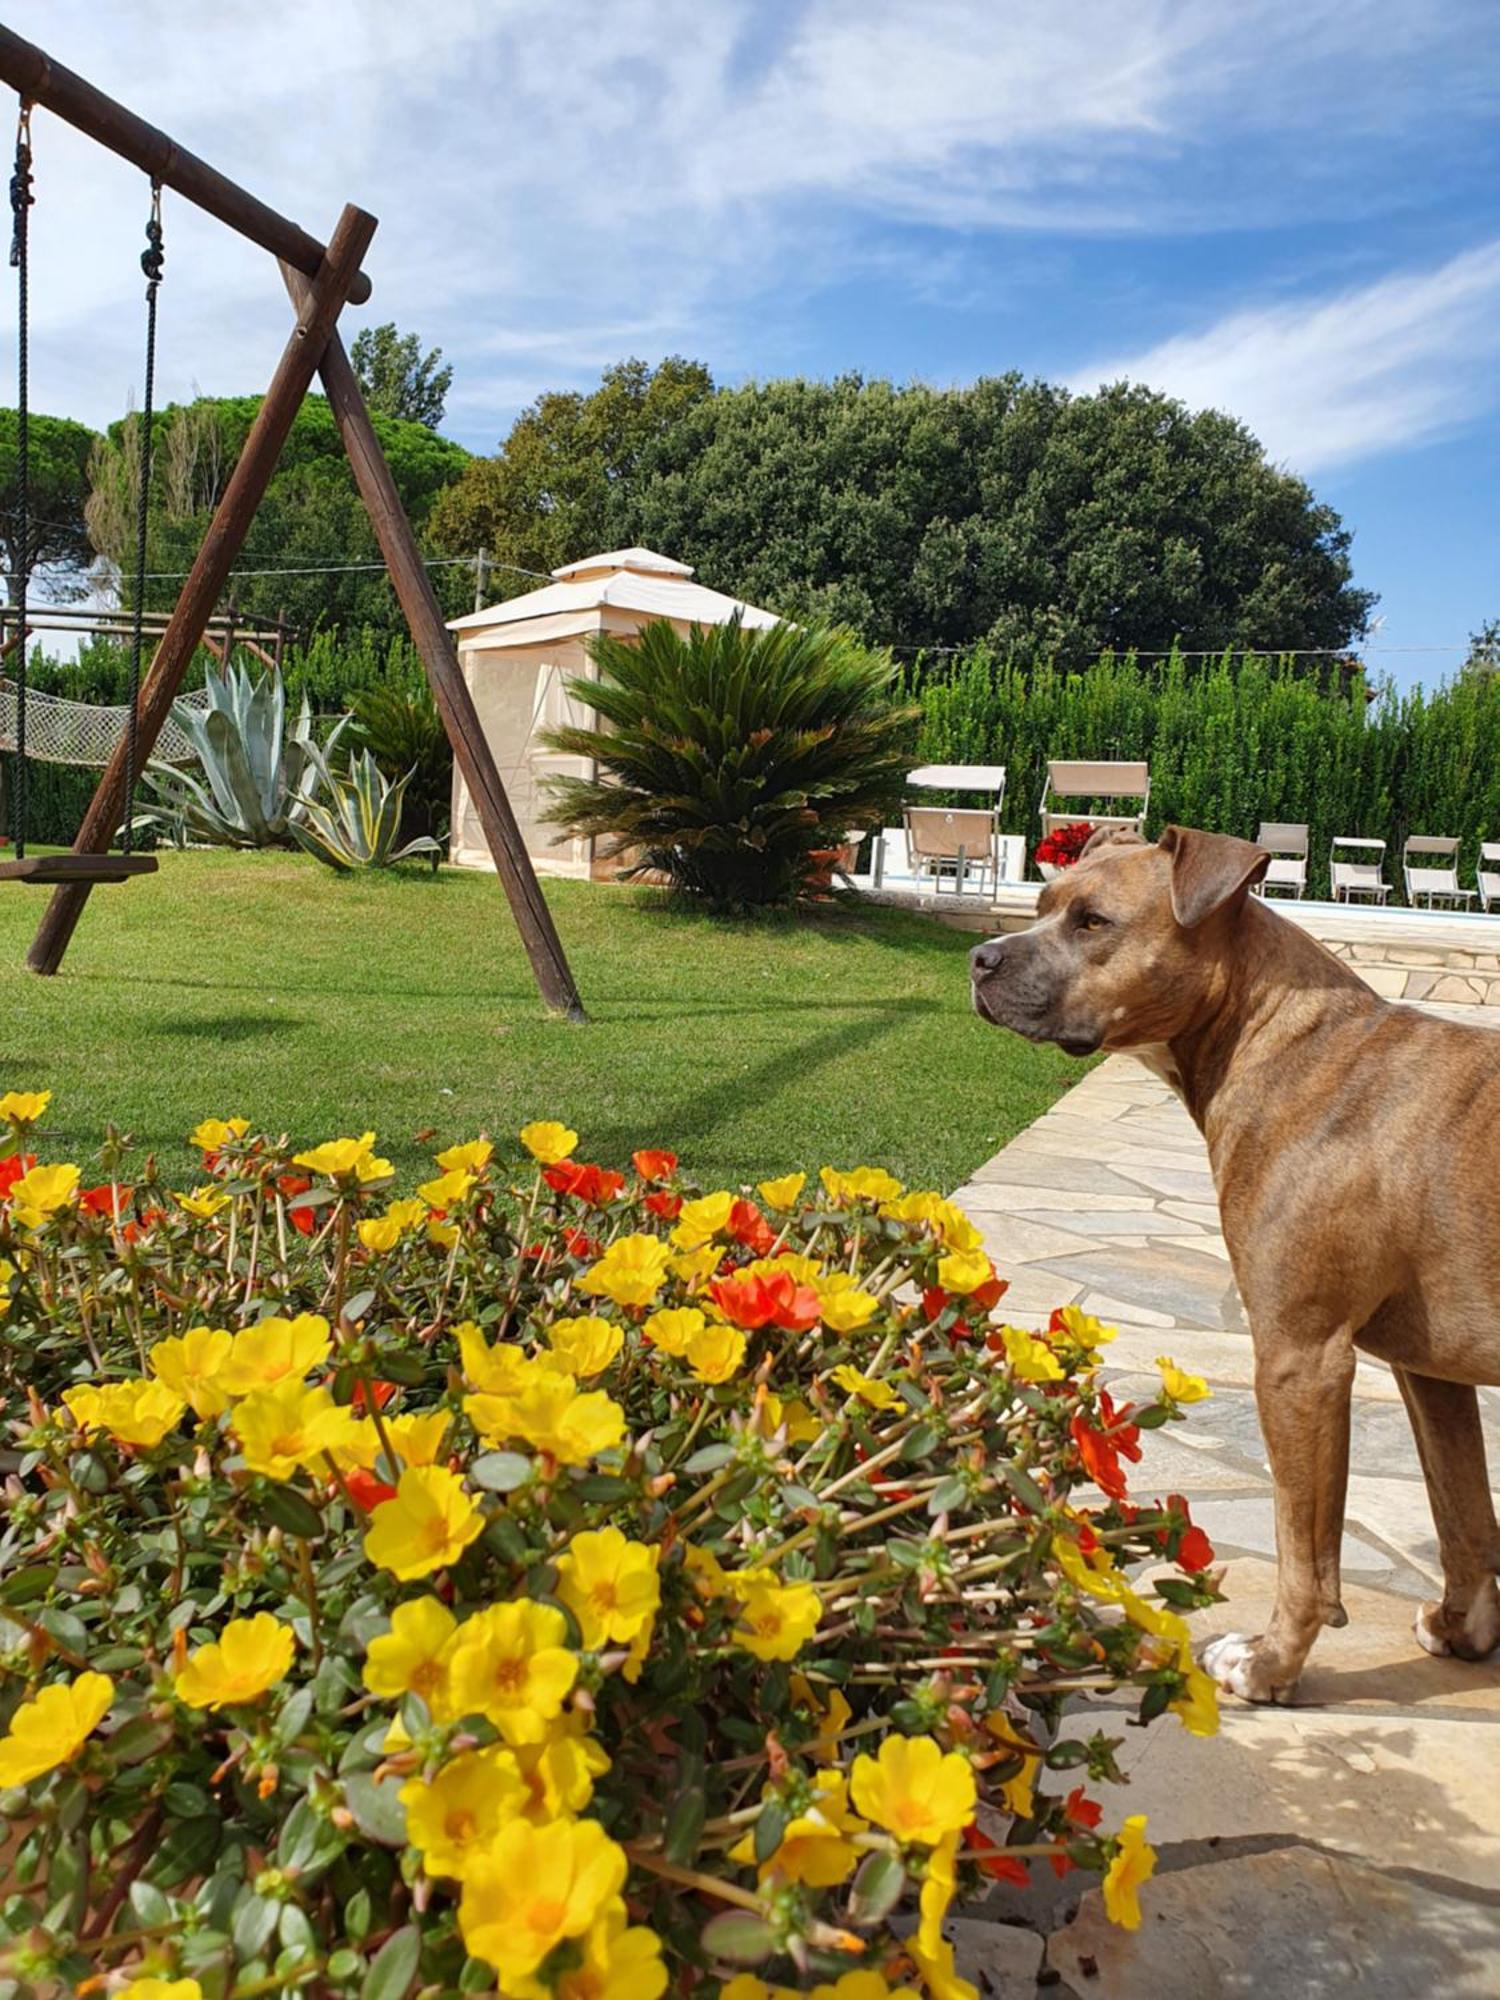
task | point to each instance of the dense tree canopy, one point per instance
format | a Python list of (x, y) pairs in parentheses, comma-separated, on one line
[(546, 498), (59, 547), (1051, 524), (311, 515), (398, 379)]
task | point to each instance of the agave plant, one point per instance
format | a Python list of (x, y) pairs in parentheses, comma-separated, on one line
[(402, 730), (728, 756), (353, 820), (249, 791)]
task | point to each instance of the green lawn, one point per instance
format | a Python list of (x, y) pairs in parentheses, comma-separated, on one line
[(260, 984)]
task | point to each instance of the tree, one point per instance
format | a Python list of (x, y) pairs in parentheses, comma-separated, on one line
[(311, 516), (545, 499), (397, 378), (60, 551), (1484, 649), (1052, 524)]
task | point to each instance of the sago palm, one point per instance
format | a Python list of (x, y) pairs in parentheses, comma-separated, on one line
[(725, 757)]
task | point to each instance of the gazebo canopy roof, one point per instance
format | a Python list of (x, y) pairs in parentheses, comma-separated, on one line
[(637, 581)]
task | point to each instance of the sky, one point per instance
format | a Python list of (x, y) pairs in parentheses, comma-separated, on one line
[(1280, 208)]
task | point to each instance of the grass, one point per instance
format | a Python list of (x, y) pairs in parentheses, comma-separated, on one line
[(259, 984)]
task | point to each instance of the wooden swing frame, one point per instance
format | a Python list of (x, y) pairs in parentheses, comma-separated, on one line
[(320, 280)]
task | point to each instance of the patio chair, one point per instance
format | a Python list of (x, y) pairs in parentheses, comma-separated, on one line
[(1488, 878), (1419, 859), (1287, 846), (957, 843), (1359, 874), (1116, 783)]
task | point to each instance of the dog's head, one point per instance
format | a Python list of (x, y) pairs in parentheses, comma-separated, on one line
[(1129, 945)]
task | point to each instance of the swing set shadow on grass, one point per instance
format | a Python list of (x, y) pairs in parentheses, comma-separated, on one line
[(320, 281)]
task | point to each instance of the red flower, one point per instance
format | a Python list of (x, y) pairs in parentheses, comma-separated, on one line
[(383, 1394), (994, 1861), (654, 1164), (1100, 1455), (12, 1167), (667, 1206), (934, 1299), (1086, 1539), (748, 1226), (1081, 1810), (303, 1220), (134, 1231), (1062, 847), (101, 1200), (581, 1244), (595, 1185), (777, 1300), (365, 1490), (987, 1296), (1195, 1551)]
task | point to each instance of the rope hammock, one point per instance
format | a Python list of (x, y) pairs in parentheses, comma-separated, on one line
[(76, 732)]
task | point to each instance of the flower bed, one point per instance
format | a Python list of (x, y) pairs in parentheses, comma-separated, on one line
[(556, 1579)]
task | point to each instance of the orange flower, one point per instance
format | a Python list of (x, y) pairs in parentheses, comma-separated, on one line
[(774, 1300), (654, 1164)]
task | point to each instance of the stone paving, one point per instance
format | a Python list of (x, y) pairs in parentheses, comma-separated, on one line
[(1378, 1792)]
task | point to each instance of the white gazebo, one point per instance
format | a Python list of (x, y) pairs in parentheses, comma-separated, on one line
[(515, 657)]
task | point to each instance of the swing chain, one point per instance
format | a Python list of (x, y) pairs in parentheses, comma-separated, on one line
[(152, 262), (152, 258), (21, 199)]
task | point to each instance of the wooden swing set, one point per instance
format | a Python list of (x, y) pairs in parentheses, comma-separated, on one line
[(320, 279)]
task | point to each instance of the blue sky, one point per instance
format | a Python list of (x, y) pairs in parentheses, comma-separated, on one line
[(1284, 210)]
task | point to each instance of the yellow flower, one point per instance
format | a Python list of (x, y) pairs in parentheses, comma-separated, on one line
[(204, 1202), (631, 1271), (939, 1976), (547, 1141), (696, 1267), (1178, 1384), (776, 1619), (151, 1988), (534, 1887), (1084, 1330), (417, 1437), (52, 1727), (801, 1425), (193, 1366), (879, 1395), (586, 1345), (1098, 1577), (499, 1370), (42, 1192), (746, 1986), (449, 1189), (1134, 1863), (549, 1414), (805, 1270), (443, 1234), (379, 1233), (408, 1212), (249, 1656), (511, 1664), (832, 1720), (621, 1961), (413, 1657), (964, 1271), (344, 1159), (865, 1984), (863, 1184), (1197, 1705), (845, 1307), (428, 1525), (915, 1789), (700, 1221), (24, 1107), (471, 1158), (710, 1578), (1019, 1793), (673, 1327), (610, 1585), (276, 1351), (453, 1817), (559, 1773), (289, 1427), (782, 1194), (938, 1886), (138, 1412), (716, 1352), (216, 1132), (1030, 1357), (817, 1846)]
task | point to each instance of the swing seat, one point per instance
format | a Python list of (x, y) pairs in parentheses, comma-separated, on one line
[(91, 870)]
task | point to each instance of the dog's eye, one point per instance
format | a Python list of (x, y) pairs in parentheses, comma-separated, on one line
[(1092, 920)]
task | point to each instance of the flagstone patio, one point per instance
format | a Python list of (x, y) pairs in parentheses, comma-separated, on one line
[(1378, 1792)]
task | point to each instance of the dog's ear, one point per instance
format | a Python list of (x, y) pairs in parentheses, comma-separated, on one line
[(1111, 836), (1208, 871)]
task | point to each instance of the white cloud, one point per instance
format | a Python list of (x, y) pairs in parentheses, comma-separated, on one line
[(1327, 381)]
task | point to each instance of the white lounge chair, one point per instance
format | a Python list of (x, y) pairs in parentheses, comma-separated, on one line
[(1287, 846), (960, 844), (1429, 864), (1488, 877), (1115, 782), (1360, 875)]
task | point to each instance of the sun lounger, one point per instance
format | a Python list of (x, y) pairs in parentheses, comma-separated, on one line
[(1359, 873), (1429, 864), (1287, 846), (958, 844), (1487, 876)]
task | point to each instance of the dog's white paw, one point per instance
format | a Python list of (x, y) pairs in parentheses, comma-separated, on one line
[(1430, 1641), (1230, 1661)]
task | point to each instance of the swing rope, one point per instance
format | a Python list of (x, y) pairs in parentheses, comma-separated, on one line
[(151, 263), (21, 199)]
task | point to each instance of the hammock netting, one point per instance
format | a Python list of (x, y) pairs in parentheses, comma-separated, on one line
[(76, 732)]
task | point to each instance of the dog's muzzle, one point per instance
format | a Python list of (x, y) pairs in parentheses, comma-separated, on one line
[(1008, 994)]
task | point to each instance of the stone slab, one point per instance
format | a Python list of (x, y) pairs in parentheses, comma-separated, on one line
[(1180, 1282), (1002, 1960)]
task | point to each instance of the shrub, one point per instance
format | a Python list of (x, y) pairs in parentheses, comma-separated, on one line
[(404, 733), (557, 1578), (726, 757)]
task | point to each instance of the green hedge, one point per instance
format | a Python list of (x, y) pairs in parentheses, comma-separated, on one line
[(1239, 741)]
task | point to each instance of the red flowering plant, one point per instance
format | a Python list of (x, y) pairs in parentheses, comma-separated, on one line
[(530, 1584), (1062, 847)]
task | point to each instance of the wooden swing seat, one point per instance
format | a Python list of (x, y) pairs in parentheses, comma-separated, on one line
[(55, 870)]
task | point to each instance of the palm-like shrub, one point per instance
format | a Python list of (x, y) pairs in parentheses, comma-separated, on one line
[(404, 733), (726, 757)]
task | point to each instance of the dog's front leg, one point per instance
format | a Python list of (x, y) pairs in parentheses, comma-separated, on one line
[(1302, 1392)]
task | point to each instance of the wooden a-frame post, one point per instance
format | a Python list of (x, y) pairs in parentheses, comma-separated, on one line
[(321, 280)]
